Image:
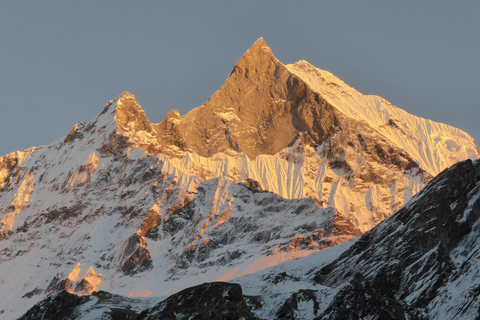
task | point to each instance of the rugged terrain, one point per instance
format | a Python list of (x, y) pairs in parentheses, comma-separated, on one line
[(420, 263), (281, 162)]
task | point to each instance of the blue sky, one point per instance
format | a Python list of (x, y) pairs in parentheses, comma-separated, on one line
[(61, 61)]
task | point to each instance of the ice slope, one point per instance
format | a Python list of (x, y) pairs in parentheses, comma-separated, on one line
[(356, 181), (423, 259), (422, 262), (435, 146), (274, 287), (263, 295)]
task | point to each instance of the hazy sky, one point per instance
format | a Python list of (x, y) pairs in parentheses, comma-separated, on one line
[(61, 61)]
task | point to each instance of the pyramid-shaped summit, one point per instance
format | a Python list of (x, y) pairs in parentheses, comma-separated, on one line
[(265, 106), (259, 57), (262, 108)]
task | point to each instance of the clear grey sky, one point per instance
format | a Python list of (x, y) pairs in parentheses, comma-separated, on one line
[(61, 61)]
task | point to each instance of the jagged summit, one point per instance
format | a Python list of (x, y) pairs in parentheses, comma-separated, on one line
[(264, 106)]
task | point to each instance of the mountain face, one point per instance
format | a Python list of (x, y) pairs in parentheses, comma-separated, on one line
[(420, 263), (281, 162), (424, 258)]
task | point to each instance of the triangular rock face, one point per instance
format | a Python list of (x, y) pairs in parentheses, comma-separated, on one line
[(245, 115), (264, 106), (261, 109), (258, 110)]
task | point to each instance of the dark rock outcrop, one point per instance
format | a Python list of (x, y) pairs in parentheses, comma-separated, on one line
[(405, 263), (61, 305), (216, 300), (100, 305)]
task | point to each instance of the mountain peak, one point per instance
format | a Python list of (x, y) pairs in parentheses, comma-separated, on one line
[(133, 122), (126, 95), (261, 44), (258, 58), (128, 110)]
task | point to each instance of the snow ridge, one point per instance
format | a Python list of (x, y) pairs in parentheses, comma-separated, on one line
[(435, 146)]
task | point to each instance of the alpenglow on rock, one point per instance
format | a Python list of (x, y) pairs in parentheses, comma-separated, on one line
[(281, 162), (301, 132)]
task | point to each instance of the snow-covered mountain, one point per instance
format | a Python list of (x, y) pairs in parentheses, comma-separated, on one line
[(281, 162), (88, 213), (422, 262)]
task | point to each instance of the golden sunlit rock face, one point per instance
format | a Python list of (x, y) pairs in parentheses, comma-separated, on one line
[(90, 282), (11, 174), (262, 108)]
